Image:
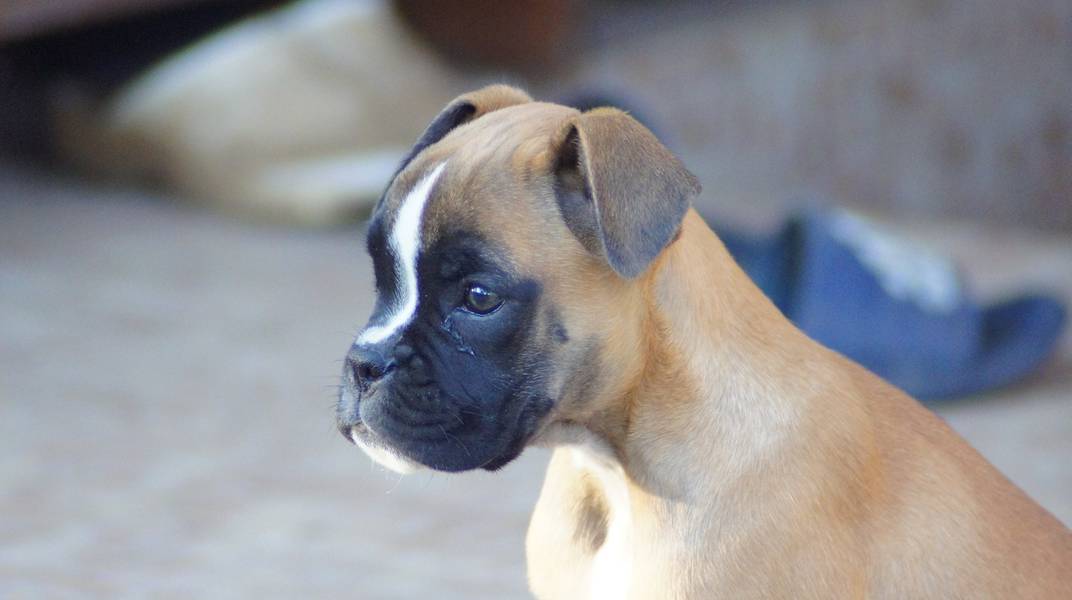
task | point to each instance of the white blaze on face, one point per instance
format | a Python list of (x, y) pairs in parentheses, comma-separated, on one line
[(405, 241)]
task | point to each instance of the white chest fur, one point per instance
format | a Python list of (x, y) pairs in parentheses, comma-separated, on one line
[(612, 564)]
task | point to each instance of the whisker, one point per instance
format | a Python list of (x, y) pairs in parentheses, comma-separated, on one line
[(456, 440), (428, 480), (397, 481)]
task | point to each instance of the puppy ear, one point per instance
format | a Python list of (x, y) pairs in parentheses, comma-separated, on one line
[(463, 109), (621, 192)]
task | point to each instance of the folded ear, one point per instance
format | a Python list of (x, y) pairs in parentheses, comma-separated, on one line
[(463, 109), (620, 191)]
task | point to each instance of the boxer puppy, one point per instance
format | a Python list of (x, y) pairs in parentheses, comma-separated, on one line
[(542, 279)]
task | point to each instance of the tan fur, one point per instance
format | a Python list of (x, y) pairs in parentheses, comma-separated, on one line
[(755, 463), (763, 465)]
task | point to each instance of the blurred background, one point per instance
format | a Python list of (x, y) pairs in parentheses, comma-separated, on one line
[(182, 190)]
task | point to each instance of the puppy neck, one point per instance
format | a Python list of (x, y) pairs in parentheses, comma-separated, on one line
[(711, 396)]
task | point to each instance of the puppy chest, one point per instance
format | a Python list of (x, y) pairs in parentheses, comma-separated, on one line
[(582, 542)]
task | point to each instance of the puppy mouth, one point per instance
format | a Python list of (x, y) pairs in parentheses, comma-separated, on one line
[(414, 431), (405, 432), (357, 432)]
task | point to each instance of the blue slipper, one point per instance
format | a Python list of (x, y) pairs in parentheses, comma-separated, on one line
[(894, 308)]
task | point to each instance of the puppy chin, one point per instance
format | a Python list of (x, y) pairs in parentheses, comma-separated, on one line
[(384, 456)]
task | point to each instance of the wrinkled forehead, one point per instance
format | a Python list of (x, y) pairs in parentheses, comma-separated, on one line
[(490, 178)]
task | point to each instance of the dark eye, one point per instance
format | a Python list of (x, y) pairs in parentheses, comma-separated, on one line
[(480, 300)]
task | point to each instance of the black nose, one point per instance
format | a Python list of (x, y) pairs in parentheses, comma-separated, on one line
[(368, 365)]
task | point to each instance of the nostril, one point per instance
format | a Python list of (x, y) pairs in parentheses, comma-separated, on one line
[(366, 372), (369, 371)]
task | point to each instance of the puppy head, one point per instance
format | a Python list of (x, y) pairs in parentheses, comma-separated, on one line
[(509, 253)]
